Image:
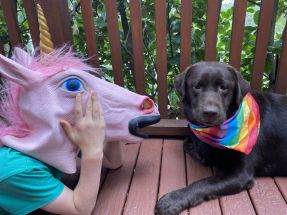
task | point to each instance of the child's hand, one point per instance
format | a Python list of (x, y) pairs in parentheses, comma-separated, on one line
[(88, 132)]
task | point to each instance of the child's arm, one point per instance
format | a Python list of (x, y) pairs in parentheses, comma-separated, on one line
[(113, 155), (88, 134)]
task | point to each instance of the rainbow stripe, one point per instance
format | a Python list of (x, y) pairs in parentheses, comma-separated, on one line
[(239, 132)]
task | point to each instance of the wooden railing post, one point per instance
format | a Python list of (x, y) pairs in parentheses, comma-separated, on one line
[(136, 27), (115, 45), (185, 38), (161, 56), (31, 13), (89, 28), (238, 20), (10, 14), (264, 25), (213, 10), (185, 34), (281, 80)]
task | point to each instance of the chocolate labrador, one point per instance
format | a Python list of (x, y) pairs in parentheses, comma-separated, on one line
[(214, 94)]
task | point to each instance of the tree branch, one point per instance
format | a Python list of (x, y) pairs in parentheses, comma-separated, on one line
[(253, 2)]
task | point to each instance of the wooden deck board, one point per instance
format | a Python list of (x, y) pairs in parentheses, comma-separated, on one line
[(266, 197), (158, 166), (195, 171), (237, 204), (173, 174), (282, 185), (112, 196), (172, 168), (142, 195)]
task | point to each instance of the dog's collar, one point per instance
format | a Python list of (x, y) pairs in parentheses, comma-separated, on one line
[(239, 132)]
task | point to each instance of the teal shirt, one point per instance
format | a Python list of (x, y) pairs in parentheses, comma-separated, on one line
[(26, 184)]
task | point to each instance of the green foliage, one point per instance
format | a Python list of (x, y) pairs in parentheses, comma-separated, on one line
[(4, 39), (172, 39)]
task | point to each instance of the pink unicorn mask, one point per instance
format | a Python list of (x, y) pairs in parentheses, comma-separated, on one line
[(39, 91)]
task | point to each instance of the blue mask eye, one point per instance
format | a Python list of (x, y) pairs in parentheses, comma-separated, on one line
[(73, 85)]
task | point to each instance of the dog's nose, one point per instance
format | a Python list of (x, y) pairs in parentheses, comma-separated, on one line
[(210, 112)]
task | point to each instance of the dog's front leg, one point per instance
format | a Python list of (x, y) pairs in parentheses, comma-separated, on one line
[(205, 189)]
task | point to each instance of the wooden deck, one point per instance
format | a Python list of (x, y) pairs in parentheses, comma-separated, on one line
[(158, 166)]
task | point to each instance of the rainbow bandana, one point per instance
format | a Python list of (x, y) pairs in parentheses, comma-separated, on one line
[(239, 132)]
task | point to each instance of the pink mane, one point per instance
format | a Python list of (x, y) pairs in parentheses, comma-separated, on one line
[(60, 60), (11, 122)]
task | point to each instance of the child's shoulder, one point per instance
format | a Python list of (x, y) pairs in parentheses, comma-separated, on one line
[(26, 183), (13, 162)]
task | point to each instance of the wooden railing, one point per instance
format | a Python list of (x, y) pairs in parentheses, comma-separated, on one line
[(58, 18)]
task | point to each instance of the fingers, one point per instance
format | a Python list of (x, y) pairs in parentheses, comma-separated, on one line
[(97, 108), (89, 109), (78, 107), (67, 128), (93, 110)]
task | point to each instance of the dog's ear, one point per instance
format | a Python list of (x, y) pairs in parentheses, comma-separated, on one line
[(179, 82), (242, 86)]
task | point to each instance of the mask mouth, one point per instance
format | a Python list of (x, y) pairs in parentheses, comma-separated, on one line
[(141, 122)]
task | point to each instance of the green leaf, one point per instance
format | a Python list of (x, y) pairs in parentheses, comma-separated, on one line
[(256, 16)]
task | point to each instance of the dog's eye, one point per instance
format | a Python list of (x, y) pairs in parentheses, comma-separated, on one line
[(198, 86), (223, 87)]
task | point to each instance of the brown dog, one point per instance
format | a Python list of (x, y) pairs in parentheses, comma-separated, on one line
[(212, 93)]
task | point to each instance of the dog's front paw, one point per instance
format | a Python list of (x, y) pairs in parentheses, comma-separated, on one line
[(171, 204)]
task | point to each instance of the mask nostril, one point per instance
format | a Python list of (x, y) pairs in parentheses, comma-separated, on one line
[(147, 105)]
